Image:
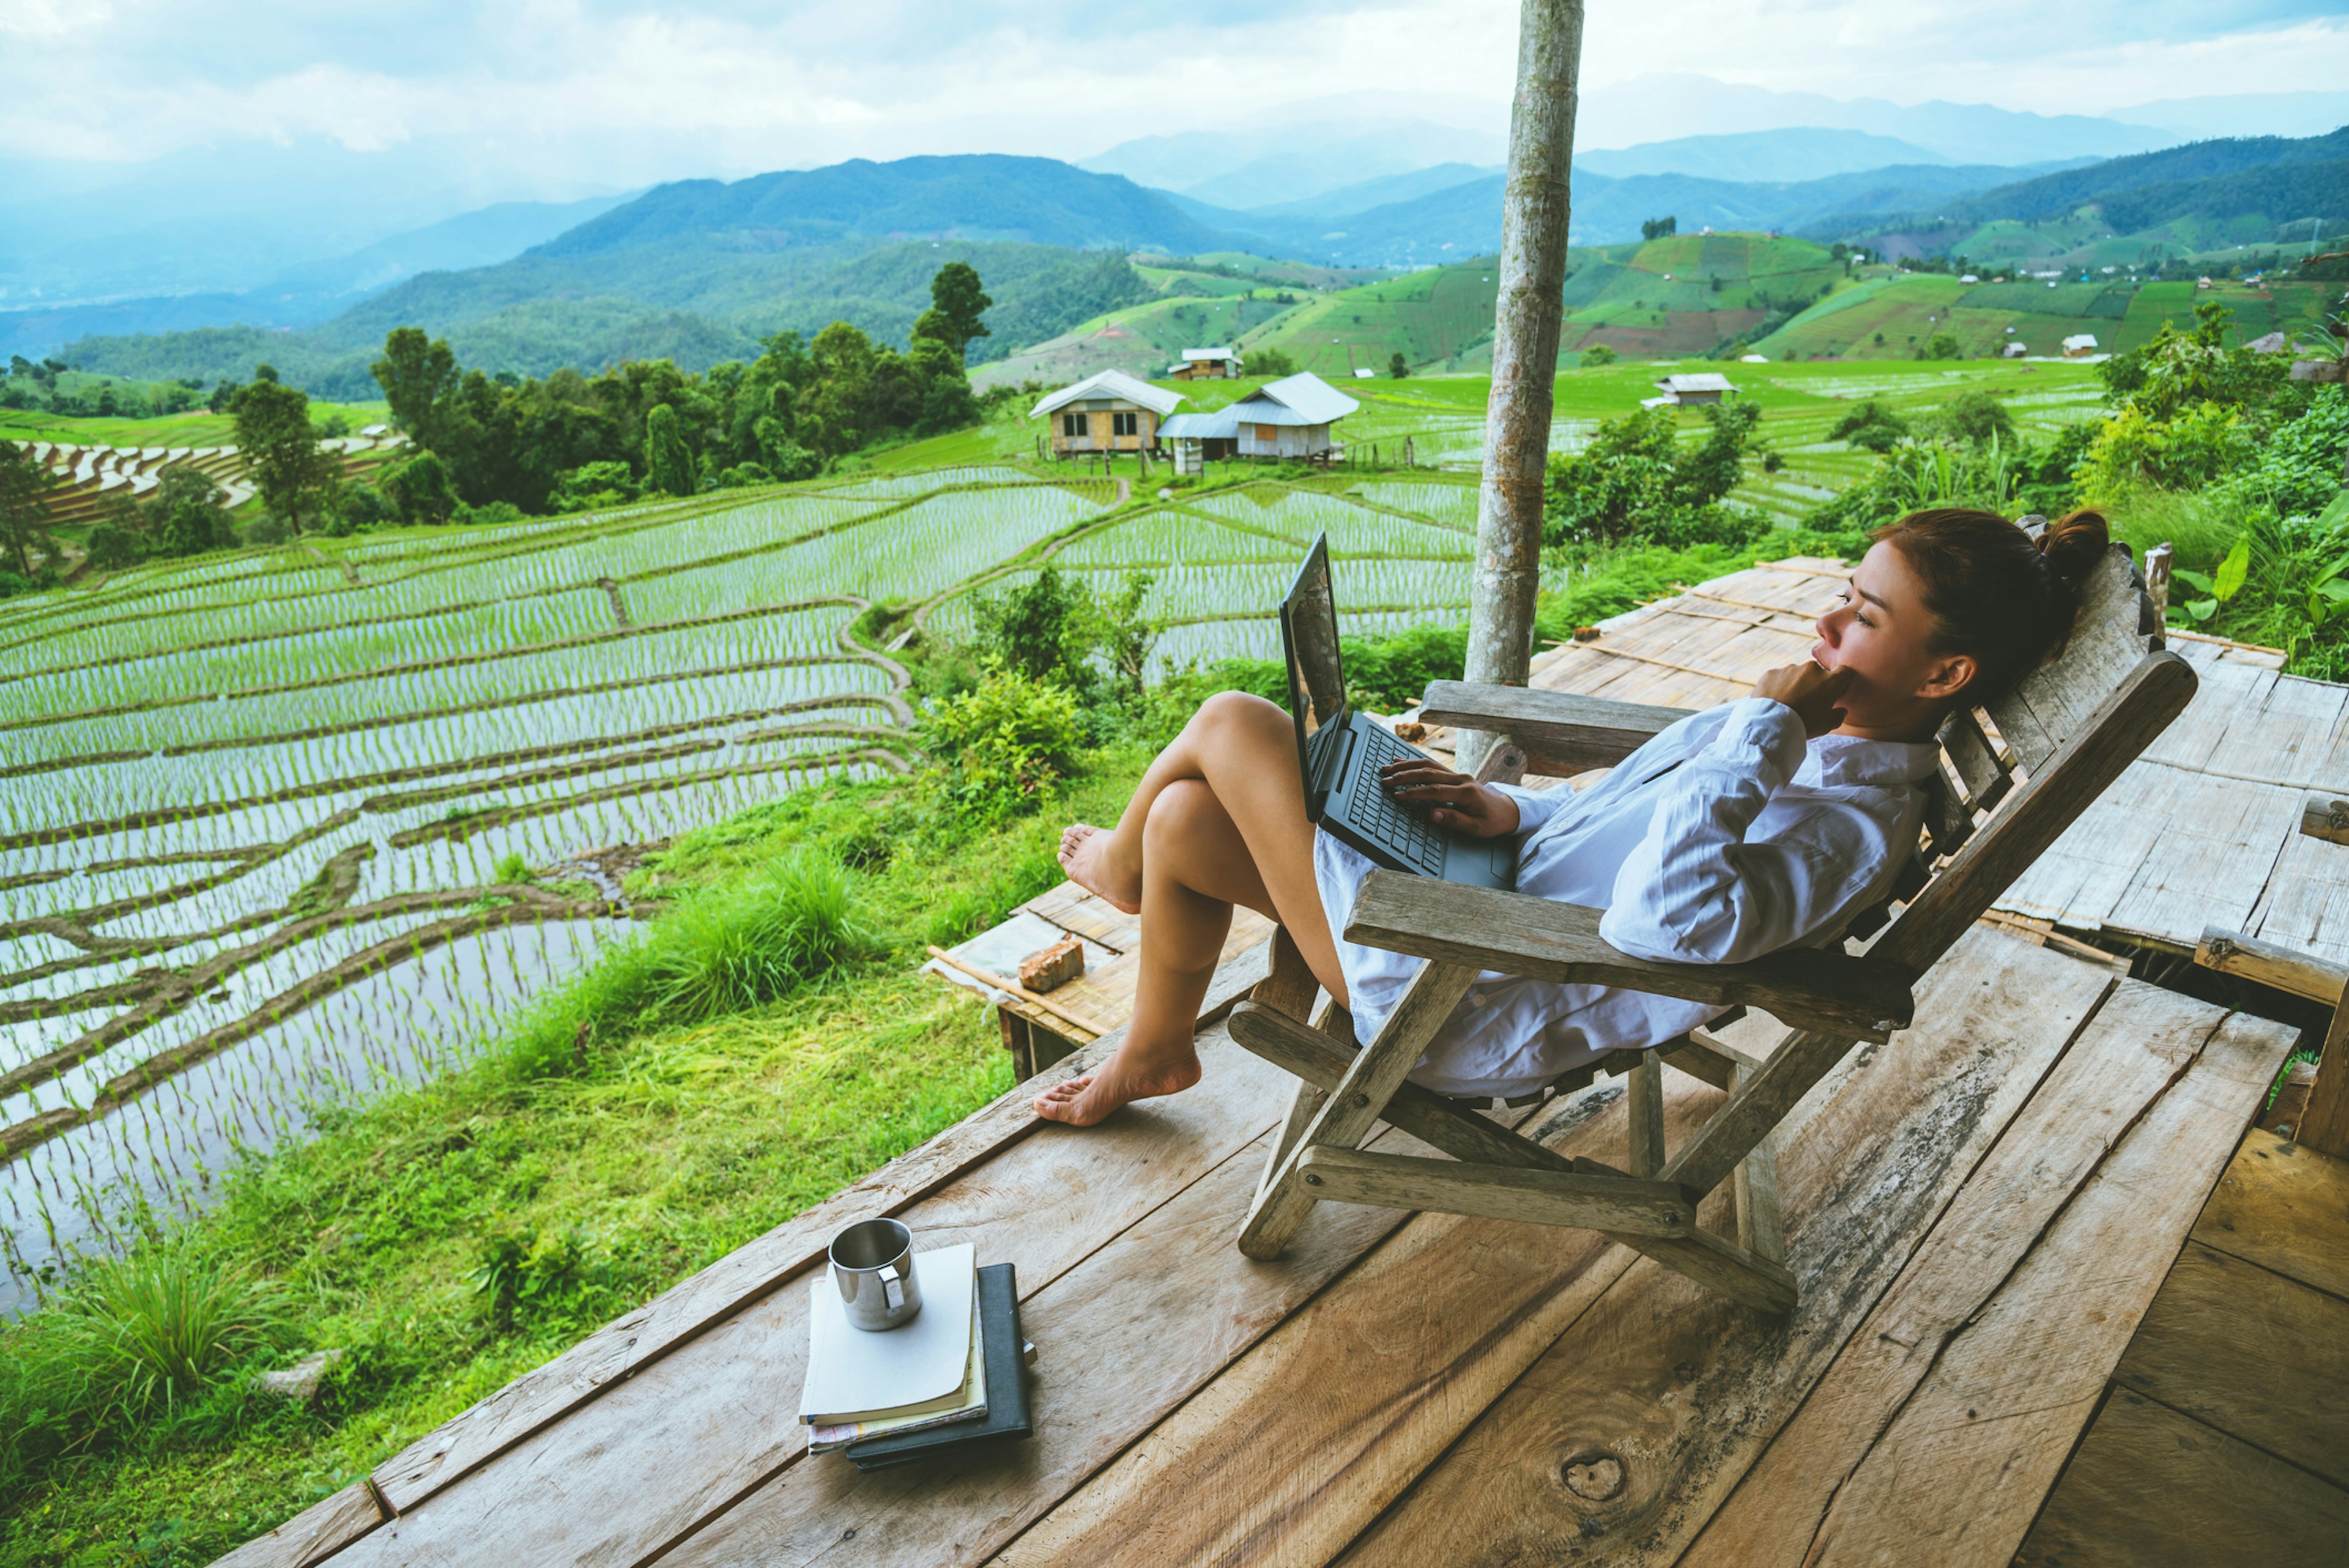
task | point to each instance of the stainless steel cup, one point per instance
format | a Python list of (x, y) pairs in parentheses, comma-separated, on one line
[(873, 1264)]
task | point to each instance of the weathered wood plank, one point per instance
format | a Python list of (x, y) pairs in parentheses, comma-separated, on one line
[(1561, 732), (2124, 1059), (1645, 1085), (1294, 1448), (2002, 1408), (2284, 1208), (2324, 1120), (1546, 940), (2270, 964), (2115, 629), (2144, 704), (1352, 1108), (1500, 1192), (1761, 1217), (2260, 1357), (1681, 1389), (2152, 1486), (313, 1535), (685, 1436), (1123, 1337), (623, 1348)]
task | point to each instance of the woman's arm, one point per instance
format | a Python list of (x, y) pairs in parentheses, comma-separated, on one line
[(1455, 800), (1694, 891)]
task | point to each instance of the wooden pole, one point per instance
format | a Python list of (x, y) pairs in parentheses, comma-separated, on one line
[(1013, 988), (1528, 318)]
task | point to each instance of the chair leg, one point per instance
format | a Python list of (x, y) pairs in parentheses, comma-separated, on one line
[(1331, 1020), (1646, 1094), (1760, 1225), (1354, 1105)]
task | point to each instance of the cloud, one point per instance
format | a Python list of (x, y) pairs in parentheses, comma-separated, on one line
[(626, 91)]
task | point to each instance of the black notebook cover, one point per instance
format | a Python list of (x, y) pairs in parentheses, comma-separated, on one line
[(1007, 1415)]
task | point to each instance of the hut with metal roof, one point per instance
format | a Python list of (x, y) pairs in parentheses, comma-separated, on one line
[(1292, 419), (1207, 364), (1108, 412), (1689, 391)]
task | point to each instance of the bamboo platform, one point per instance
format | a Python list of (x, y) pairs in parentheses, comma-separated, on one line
[(1981, 1213), (2202, 831)]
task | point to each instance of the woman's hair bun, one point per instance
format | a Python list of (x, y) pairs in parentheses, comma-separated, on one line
[(2073, 544)]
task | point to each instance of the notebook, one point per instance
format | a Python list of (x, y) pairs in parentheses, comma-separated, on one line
[(823, 1440), (1007, 1417), (915, 1368)]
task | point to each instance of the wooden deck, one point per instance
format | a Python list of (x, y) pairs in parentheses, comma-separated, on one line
[(1981, 1213), (2203, 830)]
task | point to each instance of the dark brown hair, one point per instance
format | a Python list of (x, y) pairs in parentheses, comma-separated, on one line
[(1995, 593)]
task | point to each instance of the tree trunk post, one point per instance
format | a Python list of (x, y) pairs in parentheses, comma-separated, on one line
[(1527, 323)]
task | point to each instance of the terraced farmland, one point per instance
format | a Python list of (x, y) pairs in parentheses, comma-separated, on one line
[(265, 820)]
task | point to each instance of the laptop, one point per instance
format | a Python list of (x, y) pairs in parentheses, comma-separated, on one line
[(1341, 751)]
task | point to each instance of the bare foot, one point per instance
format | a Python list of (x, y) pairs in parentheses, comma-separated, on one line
[(1081, 1102), (1085, 857)]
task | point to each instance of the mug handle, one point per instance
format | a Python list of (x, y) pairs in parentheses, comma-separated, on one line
[(893, 1288)]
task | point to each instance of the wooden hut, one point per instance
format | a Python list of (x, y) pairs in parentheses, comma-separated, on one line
[(1110, 412), (1290, 418), (1220, 364)]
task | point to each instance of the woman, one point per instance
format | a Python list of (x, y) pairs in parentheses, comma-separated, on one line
[(1757, 825)]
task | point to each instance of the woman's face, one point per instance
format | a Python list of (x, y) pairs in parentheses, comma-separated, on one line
[(1882, 634)]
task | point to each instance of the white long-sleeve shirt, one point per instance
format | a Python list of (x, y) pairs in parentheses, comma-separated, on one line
[(1724, 838)]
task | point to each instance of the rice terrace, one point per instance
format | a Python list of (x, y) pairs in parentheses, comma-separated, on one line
[(282, 826)]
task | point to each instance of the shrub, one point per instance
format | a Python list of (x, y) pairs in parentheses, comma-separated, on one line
[(490, 512), (1941, 345), (519, 1270), (1270, 363), (1636, 481), (1871, 425), (192, 513), (1599, 354), (267, 529), (1002, 745), (364, 506), (110, 547), (594, 485), (420, 488)]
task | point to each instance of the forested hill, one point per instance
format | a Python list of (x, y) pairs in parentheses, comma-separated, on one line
[(975, 197)]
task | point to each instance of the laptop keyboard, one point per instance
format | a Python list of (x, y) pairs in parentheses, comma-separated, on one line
[(1379, 817)]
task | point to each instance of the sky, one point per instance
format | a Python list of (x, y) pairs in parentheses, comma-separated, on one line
[(590, 94)]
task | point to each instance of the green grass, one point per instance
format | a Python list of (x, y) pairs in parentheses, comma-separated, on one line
[(1436, 318), (638, 1158), (196, 428)]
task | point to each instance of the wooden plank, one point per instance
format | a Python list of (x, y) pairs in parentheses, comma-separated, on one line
[(2257, 1355), (683, 1437), (2113, 631), (2324, 1120), (2005, 1403), (1297, 1446), (2284, 1208), (2126, 1058), (1123, 1337), (1559, 731), (2271, 964), (1499, 1192), (1761, 1218), (2047, 803), (1645, 1085), (1546, 940), (1354, 1105), (1091, 916), (2152, 1486), (313, 1535), (623, 1347), (1681, 1389)]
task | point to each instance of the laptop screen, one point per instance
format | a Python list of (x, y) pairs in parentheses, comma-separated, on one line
[(1309, 636)]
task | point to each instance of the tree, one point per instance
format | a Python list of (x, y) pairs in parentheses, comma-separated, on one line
[(1660, 227), (418, 376), (294, 476), (189, 513), (1941, 345), (1271, 362), (1599, 354), (1397, 365), (1528, 316), (957, 302), (1872, 425), (420, 488), (23, 511), (667, 462)]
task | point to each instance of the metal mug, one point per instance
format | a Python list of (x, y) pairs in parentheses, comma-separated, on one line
[(873, 1264)]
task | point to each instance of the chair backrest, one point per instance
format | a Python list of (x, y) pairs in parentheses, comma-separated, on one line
[(2010, 786)]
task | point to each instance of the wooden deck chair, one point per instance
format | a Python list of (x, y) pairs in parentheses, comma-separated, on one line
[(2061, 737)]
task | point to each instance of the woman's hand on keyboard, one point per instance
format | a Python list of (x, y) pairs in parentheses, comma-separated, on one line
[(1454, 800)]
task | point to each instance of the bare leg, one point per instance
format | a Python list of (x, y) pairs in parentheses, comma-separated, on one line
[(1234, 832)]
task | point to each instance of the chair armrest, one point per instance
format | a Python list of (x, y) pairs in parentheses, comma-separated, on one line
[(1863, 998), (1561, 732)]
